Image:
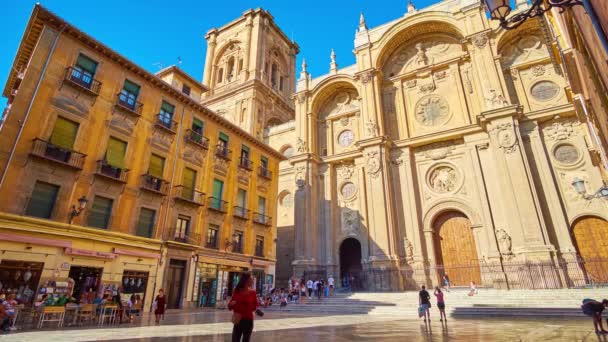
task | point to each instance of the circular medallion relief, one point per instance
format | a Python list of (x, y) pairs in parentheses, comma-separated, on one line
[(544, 90), (346, 138), (348, 190), (443, 179), (432, 110), (566, 154)]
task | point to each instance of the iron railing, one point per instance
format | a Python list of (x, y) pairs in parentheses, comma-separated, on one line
[(245, 163), (128, 104), (217, 204), (188, 194), (82, 80), (262, 219), (113, 172), (240, 212), (179, 235), (166, 122), (223, 152), (264, 172), (46, 150), (197, 139), (154, 184)]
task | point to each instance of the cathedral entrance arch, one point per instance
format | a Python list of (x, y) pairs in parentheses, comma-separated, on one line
[(455, 249), (350, 262), (591, 240)]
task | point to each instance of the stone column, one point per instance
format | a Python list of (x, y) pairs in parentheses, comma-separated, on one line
[(211, 44), (248, 35), (306, 223)]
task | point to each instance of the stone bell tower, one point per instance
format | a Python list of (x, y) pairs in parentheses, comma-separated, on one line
[(250, 72)]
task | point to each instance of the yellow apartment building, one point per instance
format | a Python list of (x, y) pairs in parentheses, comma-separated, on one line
[(113, 177)]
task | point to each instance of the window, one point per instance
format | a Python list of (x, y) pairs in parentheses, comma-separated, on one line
[(128, 95), (274, 75), (185, 89), (238, 242), (240, 65), (115, 153), (264, 162), (220, 75), (281, 83), (84, 71), (156, 166), (259, 246), (241, 198), (198, 126), (244, 156), (262, 205), (188, 183), (145, 224), (230, 70), (212, 234), (64, 133), (218, 189), (223, 140), (101, 210), (42, 201), (166, 114), (182, 229)]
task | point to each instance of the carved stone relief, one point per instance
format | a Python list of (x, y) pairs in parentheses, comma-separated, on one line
[(506, 138), (438, 150), (421, 53), (443, 179), (480, 40), (371, 128), (526, 48), (345, 171), (432, 110), (342, 102), (301, 145), (494, 99), (538, 70), (193, 154), (561, 130), (566, 154), (409, 250), (220, 165), (161, 139), (372, 164), (504, 243), (123, 123), (350, 221)]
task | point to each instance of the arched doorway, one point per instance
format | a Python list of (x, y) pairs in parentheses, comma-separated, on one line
[(350, 262), (455, 249), (591, 240)]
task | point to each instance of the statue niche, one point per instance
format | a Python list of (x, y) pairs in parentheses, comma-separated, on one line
[(426, 51)]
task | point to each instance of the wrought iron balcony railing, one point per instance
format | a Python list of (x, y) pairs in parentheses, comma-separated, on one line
[(217, 204), (189, 195), (46, 150), (166, 123), (223, 152), (104, 169), (128, 104), (82, 80), (262, 219), (240, 212), (264, 172), (245, 163), (154, 184), (179, 235), (197, 139)]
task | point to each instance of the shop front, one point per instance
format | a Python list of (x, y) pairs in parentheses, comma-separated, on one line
[(20, 278), (206, 284)]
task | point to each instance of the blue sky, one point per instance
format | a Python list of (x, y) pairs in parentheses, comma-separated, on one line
[(160, 31)]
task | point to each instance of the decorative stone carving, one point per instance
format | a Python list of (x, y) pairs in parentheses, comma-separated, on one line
[(504, 242), (439, 150), (193, 154), (566, 154), (220, 165), (345, 171), (480, 40), (301, 97), (411, 83), (300, 176), (432, 110), (544, 90), (560, 130), (527, 48), (344, 101), (243, 176), (161, 139), (345, 121), (346, 138), (440, 75), (371, 128), (409, 250), (507, 140), (514, 74), (366, 76), (427, 88), (123, 123), (397, 161), (495, 100), (443, 179), (348, 190), (421, 57), (373, 164), (420, 54), (350, 221), (71, 106), (301, 145), (538, 70), (467, 82)]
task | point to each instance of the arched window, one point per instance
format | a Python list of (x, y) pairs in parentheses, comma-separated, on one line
[(230, 70), (220, 75), (274, 73)]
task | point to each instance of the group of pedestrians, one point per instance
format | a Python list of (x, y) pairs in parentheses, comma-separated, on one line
[(319, 287), (424, 304)]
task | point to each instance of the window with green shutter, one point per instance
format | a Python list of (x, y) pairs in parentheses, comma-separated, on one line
[(197, 126), (100, 212), (166, 114), (262, 205), (128, 94), (218, 188), (264, 162), (85, 63), (115, 153), (223, 139), (157, 166), (64, 133), (42, 201), (145, 224)]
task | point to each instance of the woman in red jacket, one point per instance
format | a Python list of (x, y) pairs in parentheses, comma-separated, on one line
[(244, 302)]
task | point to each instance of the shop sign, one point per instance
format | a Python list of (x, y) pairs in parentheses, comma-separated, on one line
[(65, 266), (84, 252)]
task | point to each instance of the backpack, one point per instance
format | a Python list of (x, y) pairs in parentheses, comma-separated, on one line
[(586, 309)]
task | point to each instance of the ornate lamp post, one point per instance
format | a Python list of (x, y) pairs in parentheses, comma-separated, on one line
[(579, 185), (500, 10), (82, 204)]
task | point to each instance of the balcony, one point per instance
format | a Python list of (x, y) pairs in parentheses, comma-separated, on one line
[(154, 184), (128, 105), (212, 244), (188, 195), (82, 81), (111, 172), (178, 235), (240, 212), (223, 152), (166, 123), (197, 139), (245, 163), (264, 172), (259, 251), (46, 150), (262, 219), (217, 204)]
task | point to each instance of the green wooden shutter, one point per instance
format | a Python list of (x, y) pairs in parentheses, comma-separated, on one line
[(264, 162), (224, 137), (115, 153), (64, 133), (157, 165), (100, 213), (86, 64), (197, 126), (145, 224), (241, 198), (262, 205), (218, 188), (167, 107), (42, 200), (131, 88)]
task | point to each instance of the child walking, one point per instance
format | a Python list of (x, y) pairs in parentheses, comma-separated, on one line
[(440, 304)]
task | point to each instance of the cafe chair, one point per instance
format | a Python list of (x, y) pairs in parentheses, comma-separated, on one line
[(52, 314)]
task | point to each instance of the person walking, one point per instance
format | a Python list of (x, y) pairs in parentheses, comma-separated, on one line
[(161, 304), (424, 300), (302, 293), (315, 287), (331, 282), (440, 304), (594, 309), (309, 285), (319, 289), (473, 288), (244, 302), (446, 282)]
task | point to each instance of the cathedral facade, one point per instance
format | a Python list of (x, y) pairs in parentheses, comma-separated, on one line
[(450, 145)]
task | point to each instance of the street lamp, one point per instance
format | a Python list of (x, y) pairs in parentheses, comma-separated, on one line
[(500, 9), (579, 187), (82, 204)]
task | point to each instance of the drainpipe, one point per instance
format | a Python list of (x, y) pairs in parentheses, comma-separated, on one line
[(30, 105), (596, 25), (166, 217)]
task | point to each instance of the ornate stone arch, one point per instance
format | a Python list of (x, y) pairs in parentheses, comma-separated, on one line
[(442, 206), (221, 50), (328, 87), (586, 214), (413, 26)]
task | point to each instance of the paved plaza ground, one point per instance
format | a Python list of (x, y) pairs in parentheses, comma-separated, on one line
[(215, 326)]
